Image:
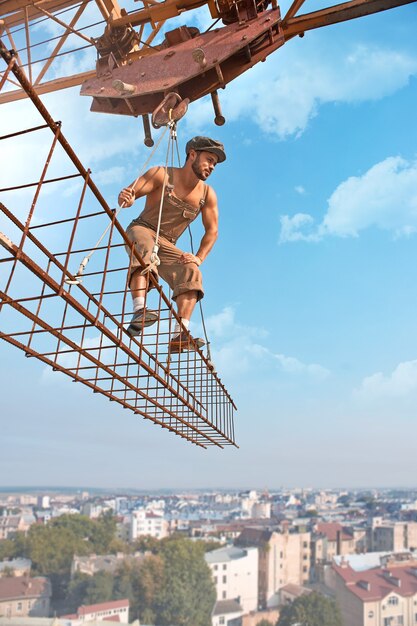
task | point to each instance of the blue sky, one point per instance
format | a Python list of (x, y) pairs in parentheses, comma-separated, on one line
[(311, 291)]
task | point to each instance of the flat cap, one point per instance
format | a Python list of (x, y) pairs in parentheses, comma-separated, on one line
[(207, 145)]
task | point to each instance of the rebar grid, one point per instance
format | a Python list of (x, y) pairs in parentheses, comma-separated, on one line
[(80, 330)]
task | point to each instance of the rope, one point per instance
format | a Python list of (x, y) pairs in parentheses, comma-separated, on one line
[(203, 323), (155, 260), (83, 264)]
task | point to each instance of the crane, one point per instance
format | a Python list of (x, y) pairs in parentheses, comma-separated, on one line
[(133, 73)]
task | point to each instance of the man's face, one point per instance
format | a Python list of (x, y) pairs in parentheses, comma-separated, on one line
[(203, 163)]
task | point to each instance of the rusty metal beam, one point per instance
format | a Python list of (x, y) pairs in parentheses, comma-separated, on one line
[(294, 8), (338, 13), (47, 87), (158, 12), (13, 17), (69, 29), (13, 11)]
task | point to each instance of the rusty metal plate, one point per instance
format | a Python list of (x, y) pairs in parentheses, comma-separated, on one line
[(175, 68)]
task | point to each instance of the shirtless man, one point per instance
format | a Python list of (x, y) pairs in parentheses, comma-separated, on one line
[(186, 195)]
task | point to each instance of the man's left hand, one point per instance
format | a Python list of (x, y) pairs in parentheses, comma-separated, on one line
[(187, 257)]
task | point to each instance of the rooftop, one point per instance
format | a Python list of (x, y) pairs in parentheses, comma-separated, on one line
[(331, 530), (24, 587), (377, 583), (224, 607), (223, 555)]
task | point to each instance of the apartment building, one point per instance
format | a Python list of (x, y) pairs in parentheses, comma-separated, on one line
[(22, 596), (331, 539), (393, 536), (147, 523), (115, 611), (92, 564), (11, 524), (381, 596), (227, 613), (284, 557), (235, 575)]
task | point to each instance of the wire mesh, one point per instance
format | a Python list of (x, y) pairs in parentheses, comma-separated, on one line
[(81, 329)]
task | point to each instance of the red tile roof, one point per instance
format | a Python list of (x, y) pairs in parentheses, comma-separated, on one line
[(296, 590), (98, 608), (24, 587), (103, 606), (377, 583), (330, 530), (253, 537)]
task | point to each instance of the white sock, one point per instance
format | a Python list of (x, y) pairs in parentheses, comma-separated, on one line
[(138, 303), (178, 328)]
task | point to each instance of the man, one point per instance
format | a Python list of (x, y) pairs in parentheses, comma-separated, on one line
[(185, 196)]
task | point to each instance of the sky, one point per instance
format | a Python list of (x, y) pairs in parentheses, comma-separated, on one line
[(311, 290)]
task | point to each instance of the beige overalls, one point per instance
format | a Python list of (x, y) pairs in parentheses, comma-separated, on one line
[(176, 216)]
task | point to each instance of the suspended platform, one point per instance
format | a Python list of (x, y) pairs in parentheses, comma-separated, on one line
[(80, 329)]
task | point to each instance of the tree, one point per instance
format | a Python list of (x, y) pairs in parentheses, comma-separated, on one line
[(52, 547), (146, 583), (7, 549), (100, 588), (84, 589), (311, 610), (146, 544), (264, 622), (187, 594)]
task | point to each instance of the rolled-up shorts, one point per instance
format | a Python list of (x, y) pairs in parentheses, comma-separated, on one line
[(181, 277)]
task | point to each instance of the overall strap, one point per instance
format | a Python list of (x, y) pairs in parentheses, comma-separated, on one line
[(204, 198), (170, 183)]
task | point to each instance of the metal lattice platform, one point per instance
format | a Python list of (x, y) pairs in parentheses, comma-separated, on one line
[(80, 330)]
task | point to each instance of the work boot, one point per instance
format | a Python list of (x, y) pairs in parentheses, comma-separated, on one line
[(184, 341), (141, 318)]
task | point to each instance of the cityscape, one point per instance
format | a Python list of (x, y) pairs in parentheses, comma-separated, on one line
[(221, 558)]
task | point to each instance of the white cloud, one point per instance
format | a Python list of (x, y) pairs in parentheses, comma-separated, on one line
[(400, 383), (287, 91), (300, 189), (238, 350), (384, 197), (116, 174), (297, 228)]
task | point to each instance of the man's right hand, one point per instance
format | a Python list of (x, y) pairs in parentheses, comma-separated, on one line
[(126, 197)]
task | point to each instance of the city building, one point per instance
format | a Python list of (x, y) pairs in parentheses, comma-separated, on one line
[(330, 539), (291, 592), (44, 502), (114, 611), (147, 523), (395, 536), (21, 596), (284, 557), (92, 564), (235, 575), (227, 613), (381, 596), (10, 525)]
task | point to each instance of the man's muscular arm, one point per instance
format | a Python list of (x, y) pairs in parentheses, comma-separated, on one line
[(148, 182), (210, 217)]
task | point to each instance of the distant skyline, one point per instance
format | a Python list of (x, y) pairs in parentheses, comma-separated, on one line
[(311, 289), (4, 489)]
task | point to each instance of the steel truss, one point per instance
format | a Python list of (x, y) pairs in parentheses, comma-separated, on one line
[(80, 330)]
